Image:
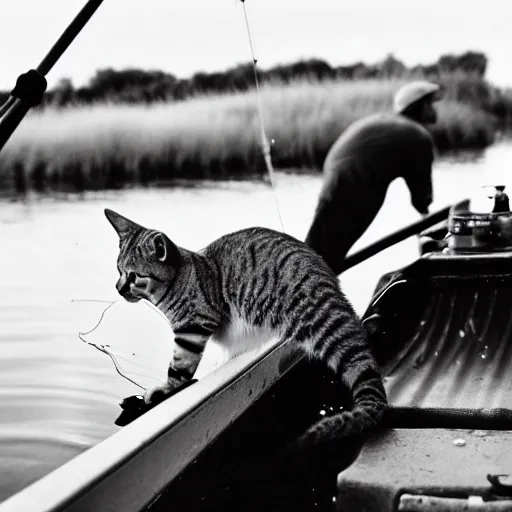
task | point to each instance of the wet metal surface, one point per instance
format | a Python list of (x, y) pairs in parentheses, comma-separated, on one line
[(460, 355)]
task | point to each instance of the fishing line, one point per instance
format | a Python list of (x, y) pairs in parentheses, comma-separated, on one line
[(103, 348), (264, 140), (114, 361), (80, 334)]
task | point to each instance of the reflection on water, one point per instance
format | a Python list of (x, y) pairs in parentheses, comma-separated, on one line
[(59, 396)]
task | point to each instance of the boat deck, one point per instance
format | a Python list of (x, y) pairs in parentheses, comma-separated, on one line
[(448, 339)]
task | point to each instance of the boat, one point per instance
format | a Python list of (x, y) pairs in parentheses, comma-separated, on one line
[(441, 330)]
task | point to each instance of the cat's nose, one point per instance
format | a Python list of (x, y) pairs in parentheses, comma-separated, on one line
[(123, 283)]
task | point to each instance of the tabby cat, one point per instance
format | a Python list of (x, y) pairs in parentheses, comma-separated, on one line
[(264, 279)]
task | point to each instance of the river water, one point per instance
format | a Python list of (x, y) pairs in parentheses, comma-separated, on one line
[(60, 396)]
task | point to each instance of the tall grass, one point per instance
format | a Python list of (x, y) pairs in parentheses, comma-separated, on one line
[(107, 146)]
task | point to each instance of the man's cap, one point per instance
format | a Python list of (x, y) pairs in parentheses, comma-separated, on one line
[(413, 92)]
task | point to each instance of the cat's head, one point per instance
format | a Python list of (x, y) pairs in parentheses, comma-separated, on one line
[(148, 261)]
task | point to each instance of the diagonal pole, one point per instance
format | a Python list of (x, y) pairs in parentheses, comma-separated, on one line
[(14, 110), (395, 237)]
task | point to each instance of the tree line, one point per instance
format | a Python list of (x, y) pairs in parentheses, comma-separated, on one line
[(147, 86)]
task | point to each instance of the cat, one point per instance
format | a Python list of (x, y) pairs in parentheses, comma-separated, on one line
[(260, 278)]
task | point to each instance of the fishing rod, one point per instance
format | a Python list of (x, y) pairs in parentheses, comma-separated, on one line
[(265, 144), (30, 86)]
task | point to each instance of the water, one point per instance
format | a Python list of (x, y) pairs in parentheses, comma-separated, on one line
[(59, 396)]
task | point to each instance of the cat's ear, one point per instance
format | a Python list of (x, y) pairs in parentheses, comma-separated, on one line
[(121, 224), (164, 250)]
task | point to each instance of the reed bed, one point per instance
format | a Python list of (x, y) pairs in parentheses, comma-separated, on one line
[(109, 146)]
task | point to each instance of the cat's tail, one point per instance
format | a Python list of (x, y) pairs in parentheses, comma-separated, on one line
[(369, 405)]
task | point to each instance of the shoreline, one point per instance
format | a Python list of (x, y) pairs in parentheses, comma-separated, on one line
[(65, 192)]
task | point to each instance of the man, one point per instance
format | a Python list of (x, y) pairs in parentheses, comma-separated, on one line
[(365, 159)]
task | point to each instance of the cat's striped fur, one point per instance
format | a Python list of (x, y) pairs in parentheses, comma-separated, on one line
[(267, 279)]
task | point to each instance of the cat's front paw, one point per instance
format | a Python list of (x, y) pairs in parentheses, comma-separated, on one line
[(157, 394)]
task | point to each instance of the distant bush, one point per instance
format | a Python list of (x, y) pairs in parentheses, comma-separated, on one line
[(137, 86)]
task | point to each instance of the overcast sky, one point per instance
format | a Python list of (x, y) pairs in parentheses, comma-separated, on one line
[(186, 36)]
